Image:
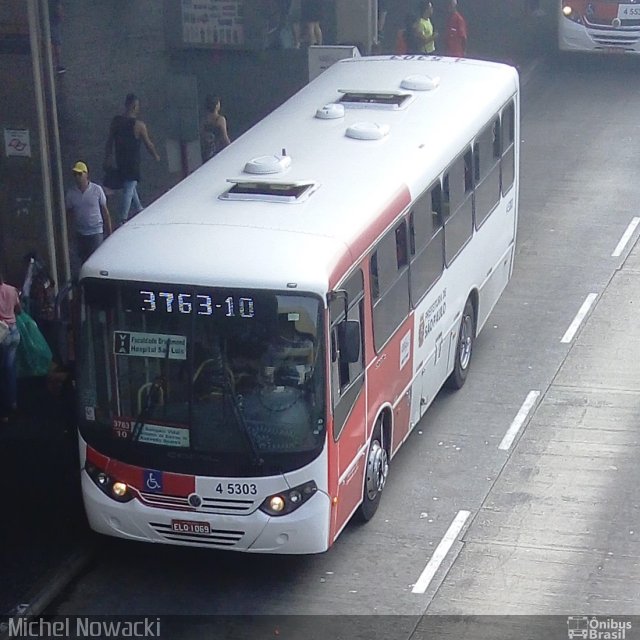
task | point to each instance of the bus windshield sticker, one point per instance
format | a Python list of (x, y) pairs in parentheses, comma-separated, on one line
[(164, 435), (149, 345)]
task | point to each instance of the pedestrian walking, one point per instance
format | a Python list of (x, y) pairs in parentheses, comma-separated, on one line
[(9, 308), (86, 204), (406, 41), (213, 131), (311, 16), (455, 39), (423, 30), (123, 143), (289, 24)]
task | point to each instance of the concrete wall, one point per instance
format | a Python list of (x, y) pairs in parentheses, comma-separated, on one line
[(22, 222)]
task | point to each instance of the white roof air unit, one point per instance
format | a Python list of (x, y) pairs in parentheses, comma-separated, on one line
[(367, 131), (420, 83), (268, 164), (330, 111)]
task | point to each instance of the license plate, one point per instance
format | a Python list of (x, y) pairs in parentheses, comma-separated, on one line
[(629, 11), (190, 526), (615, 50)]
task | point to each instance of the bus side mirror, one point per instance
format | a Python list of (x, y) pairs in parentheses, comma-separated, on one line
[(349, 340)]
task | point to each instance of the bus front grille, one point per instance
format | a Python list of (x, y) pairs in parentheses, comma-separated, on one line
[(215, 537), (209, 505), (616, 40)]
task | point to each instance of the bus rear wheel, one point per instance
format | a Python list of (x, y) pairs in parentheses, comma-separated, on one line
[(375, 475), (464, 348)]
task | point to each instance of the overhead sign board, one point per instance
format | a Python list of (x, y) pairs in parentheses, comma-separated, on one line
[(213, 23)]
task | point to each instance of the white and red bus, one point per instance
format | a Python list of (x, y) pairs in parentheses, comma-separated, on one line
[(258, 343), (599, 26)]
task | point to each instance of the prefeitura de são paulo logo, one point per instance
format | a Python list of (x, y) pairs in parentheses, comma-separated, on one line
[(598, 628)]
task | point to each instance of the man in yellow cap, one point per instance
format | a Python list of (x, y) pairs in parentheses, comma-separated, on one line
[(86, 205)]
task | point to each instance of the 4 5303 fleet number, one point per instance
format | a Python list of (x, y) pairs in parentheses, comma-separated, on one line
[(237, 488)]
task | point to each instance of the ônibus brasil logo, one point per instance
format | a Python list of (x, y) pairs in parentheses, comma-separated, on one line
[(597, 628)]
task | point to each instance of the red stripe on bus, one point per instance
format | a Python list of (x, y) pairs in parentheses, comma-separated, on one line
[(397, 205)]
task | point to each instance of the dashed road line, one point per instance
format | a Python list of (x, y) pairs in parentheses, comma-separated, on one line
[(440, 553), (580, 316), (626, 236), (519, 420)]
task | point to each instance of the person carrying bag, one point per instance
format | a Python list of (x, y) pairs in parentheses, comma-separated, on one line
[(9, 339), (34, 354)]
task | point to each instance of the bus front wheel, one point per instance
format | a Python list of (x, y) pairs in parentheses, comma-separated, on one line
[(375, 475), (464, 348)]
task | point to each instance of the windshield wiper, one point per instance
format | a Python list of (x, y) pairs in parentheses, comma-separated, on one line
[(229, 393)]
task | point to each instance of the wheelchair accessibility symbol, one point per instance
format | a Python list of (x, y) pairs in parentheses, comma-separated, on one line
[(153, 481)]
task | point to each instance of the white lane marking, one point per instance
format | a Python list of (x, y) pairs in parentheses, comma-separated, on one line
[(580, 316), (626, 236), (518, 421), (440, 553)]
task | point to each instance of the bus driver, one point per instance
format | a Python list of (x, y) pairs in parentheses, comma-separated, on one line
[(288, 360)]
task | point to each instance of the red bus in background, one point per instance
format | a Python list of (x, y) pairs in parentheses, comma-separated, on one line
[(599, 26)]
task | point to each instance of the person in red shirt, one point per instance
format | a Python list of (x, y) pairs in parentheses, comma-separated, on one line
[(455, 39)]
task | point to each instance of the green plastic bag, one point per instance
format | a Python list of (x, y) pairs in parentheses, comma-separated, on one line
[(34, 355)]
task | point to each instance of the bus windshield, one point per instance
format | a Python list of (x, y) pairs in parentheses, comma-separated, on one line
[(201, 380)]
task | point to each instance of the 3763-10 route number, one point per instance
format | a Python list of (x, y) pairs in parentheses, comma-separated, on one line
[(237, 488)]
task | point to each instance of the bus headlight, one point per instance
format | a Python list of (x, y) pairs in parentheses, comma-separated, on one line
[(568, 12), (111, 487), (279, 504)]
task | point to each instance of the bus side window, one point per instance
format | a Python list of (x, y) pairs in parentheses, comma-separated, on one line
[(427, 249), (459, 222), (508, 135), (446, 199), (468, 173), (375, 280), (497, 139), (392, 305), (402, 252), (347, 378), (487, 166), (456, 184)]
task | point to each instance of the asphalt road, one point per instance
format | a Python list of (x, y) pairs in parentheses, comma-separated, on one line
[(545, 525)]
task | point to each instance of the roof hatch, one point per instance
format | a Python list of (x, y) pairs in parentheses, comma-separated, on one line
[(375, 99), (269, 191)]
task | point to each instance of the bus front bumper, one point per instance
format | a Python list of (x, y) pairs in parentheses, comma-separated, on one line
[(304, 531), (575, 37)]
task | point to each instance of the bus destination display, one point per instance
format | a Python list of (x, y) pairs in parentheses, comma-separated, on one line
[(200, 304)]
